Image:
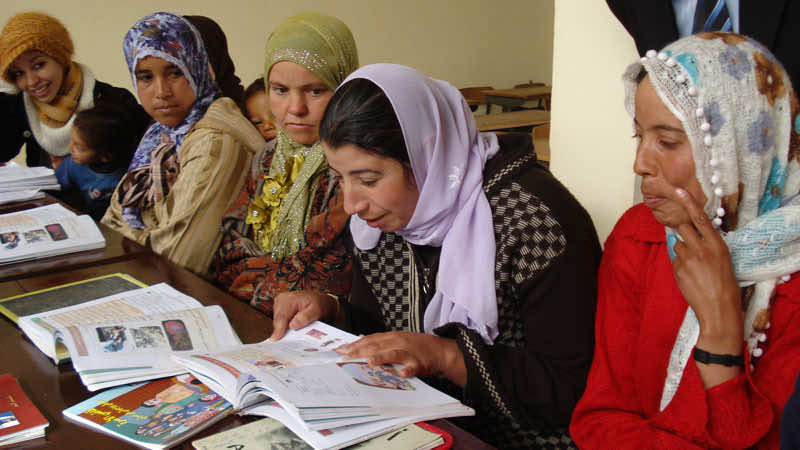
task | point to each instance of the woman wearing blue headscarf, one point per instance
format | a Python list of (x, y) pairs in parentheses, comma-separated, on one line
[(191, 162)]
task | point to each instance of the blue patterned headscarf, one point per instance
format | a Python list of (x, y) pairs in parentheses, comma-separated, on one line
[(171, 38), (738, 108)]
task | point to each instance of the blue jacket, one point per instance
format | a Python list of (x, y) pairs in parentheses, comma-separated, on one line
[(96, 183)]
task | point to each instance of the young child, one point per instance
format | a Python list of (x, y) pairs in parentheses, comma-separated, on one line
[(257, 109), (102, 142)]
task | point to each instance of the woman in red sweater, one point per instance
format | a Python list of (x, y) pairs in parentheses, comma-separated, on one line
[(698, 321)]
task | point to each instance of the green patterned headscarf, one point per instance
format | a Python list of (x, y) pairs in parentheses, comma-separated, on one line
[(325, 46)]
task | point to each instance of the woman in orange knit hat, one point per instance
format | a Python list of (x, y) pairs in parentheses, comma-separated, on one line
[(36, 58)]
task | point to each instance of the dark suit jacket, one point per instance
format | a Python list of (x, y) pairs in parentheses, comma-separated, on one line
[(774, 23)]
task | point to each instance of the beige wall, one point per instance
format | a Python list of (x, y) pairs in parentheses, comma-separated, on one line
[(591, 147), (467, 42)]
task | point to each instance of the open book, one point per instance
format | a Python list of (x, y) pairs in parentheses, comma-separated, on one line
[(313, 385), (129, 336), (46, 231)]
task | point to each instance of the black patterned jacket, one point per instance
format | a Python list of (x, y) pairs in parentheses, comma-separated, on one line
[(525, 386)]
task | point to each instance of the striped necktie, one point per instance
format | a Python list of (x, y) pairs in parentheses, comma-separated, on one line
[(711, 15)]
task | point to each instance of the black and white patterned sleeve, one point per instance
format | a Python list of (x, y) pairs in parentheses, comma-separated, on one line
[(545, 270)]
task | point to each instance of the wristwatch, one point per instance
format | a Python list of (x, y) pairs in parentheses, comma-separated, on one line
[(714, 358)]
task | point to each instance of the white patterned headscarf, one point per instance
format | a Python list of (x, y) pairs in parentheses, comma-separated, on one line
[(738, 108)]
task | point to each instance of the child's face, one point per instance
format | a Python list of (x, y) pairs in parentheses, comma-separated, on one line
[(257, 109), (164, 91), (81, 154)]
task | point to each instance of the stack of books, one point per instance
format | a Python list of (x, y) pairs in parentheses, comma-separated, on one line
[(19, 183), (328, 402)]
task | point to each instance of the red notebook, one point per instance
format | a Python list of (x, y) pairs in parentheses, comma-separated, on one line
[(19, 418)]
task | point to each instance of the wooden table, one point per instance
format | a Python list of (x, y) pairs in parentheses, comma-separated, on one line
[(54, 388), (117, 248), (511, 99), (509, 120)]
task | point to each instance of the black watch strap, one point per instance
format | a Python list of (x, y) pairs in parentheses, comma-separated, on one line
[(714, 358)]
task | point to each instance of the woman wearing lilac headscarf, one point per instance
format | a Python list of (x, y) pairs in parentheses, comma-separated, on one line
[(191, 162), (475, 263)]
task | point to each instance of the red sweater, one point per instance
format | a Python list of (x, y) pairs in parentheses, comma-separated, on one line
[(639, 312)]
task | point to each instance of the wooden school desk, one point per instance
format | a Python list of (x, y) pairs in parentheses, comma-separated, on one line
[(55, 388), (510, 99), (514, 119)]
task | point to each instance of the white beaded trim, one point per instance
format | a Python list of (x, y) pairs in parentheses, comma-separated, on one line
[(681, 78)]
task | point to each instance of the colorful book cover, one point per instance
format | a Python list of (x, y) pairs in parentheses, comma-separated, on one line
[(156, 414), (19, 418)]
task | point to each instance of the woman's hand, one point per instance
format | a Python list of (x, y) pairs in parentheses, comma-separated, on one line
[(420, 354), (704, 274), (297, 309)]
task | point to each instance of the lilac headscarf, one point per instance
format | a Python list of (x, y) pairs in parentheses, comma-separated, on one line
[(174, 39), (447, 155)]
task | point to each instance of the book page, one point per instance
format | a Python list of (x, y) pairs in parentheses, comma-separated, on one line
[(312, 345), (147, 340), (156, 299), (41, 328), (46, 231), (233, 372)]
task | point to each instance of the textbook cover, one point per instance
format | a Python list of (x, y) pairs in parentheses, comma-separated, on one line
[(19, 418), (154, 415), (67, 295)]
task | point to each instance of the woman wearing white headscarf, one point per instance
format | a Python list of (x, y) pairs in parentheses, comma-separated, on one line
[(698, 332), (472, 262)]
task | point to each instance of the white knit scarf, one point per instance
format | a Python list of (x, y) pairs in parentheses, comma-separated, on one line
[(55, 141), (738, 108)]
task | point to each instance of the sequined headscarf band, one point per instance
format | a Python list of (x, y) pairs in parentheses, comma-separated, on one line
[(325, 46)]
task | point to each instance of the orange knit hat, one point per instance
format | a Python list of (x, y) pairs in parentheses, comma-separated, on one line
[(33, 31)]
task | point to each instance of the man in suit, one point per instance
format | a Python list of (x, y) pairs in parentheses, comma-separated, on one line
[(655, 23)]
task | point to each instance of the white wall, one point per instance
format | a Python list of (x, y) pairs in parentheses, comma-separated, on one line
[(467, 42), (591, 150)]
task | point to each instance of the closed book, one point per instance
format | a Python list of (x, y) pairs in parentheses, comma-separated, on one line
[(19, 418), (154, 415)]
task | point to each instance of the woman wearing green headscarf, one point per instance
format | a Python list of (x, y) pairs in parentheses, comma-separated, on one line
[(286, 231)]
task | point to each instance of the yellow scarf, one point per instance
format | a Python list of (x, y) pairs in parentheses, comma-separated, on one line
[(56, 113)]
